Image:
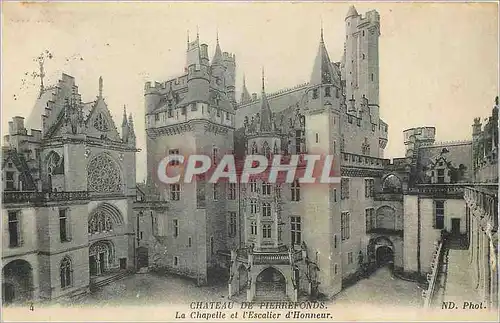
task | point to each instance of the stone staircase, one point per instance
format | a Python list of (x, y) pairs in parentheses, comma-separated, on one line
[(99, 282)]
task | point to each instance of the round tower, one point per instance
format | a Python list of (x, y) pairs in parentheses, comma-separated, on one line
[(151, 96), (198, 82)]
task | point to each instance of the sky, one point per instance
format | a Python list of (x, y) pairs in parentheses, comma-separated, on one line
[(438, 62)]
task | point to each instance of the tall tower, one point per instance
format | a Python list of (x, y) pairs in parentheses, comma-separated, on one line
[(361, 57), (185, 116), (323, 137)]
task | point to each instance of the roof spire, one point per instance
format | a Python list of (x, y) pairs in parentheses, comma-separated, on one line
[(124, 121), (100, 86), (217, 34), (131, 126), (197, 33), (188, 37)]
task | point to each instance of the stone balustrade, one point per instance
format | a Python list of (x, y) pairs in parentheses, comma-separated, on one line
[(42, 197)]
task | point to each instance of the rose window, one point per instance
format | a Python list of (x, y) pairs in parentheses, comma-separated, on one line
[(103, 175)]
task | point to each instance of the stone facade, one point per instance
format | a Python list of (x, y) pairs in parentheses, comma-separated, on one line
[(69, 188)]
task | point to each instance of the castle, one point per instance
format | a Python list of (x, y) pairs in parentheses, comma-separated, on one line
[(270, 241)]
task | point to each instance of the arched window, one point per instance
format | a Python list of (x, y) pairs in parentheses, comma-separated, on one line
[(103, 219), (266, 231), (266, 209), (66, 273), (101, 124), (254, 148), (100, 221)]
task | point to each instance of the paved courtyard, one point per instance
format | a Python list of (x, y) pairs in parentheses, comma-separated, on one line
[(151, 289), (381, 288)]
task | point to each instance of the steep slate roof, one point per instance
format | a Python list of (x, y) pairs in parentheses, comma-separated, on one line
[(323, 71)]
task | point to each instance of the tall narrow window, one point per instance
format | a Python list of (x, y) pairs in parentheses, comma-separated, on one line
[(176, 261), (266, 209), (335, 241), (190, 242), (295, 191), (266, 231), (253, 206), (14, 229), (176, 228), (212, 245), (253, 228), (266, 188), (317, 137), (253, 186), (232, 224), (349, 258), (296, 230), (66, 272), (175, 192), (335, 195), (439, 211), (63, 225), (345, 225), (215, 190), (215, 155), (369, 220), (328, 92), (232, 191)]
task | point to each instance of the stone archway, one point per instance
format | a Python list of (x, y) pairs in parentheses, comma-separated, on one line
[(101, 257), (391, 183), (270, 284), (381, 251), (17, 282)]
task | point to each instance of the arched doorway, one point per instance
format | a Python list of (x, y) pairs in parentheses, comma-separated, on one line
[(381, 251), (242, 277), (101, 257), (17, 282), (384, 255), (270, 284)]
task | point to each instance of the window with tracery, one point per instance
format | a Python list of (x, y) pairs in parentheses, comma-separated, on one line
[(100, 123), (103, 175), (100, 221)]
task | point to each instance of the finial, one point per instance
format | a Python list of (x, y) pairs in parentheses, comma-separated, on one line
[(125, 110), (100, 86), (188, 36), (197, 33), (217, 34), (262, 78), (321, 21)]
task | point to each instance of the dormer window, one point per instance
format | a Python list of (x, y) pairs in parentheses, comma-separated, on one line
[(328, 92), (315, 93)]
